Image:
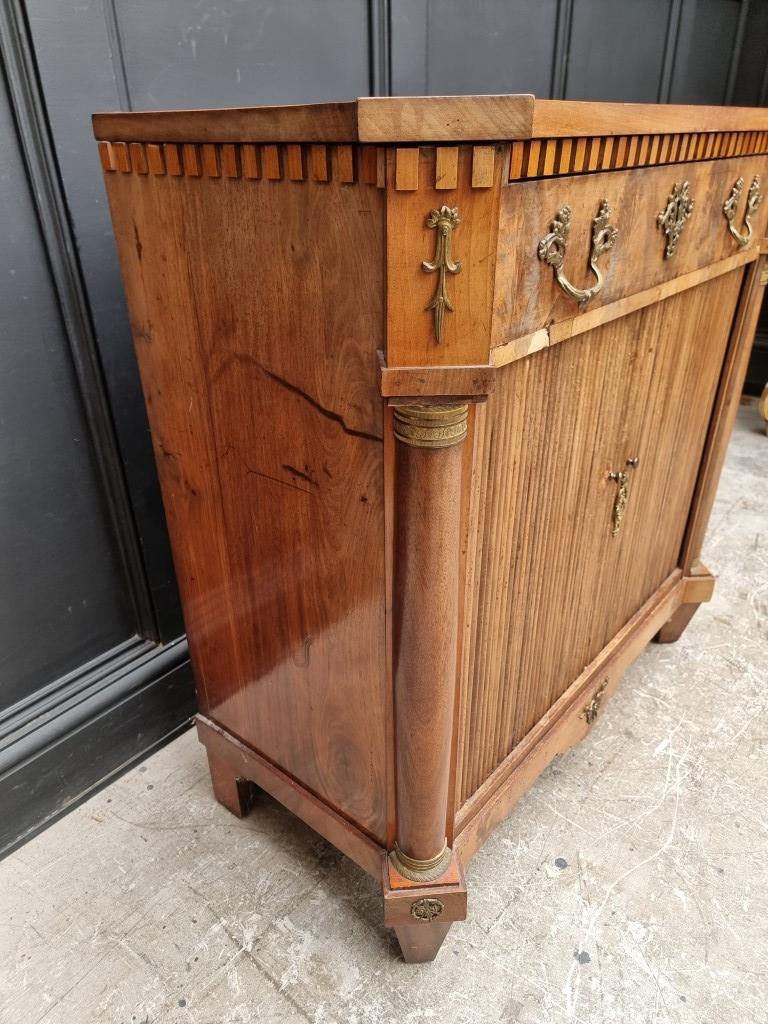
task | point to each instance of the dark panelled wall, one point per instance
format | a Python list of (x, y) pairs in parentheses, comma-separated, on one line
[(94, 663)]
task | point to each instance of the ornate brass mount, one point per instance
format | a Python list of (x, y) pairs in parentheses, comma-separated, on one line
[(552, 249), (592, 710), (754, 198), (444, 220), (426, 909), (673, 217), (622, 494)]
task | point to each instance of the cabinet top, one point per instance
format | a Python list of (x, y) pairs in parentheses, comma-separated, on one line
[(411, 119)]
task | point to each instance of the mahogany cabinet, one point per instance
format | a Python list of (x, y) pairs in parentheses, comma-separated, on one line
[(440, 390)]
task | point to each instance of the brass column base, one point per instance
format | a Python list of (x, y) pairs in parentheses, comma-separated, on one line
[(420, 870)]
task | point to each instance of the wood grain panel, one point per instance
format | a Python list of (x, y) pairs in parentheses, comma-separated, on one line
[(444, 118), (385, 119), (562, 330), (308, 122), (240, 761), (578, 117), (271, 464), (527, 297), (543, 553), (447, 167)]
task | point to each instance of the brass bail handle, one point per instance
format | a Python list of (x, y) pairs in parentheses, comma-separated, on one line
[(754, 198), (622, 494), (552, 249)]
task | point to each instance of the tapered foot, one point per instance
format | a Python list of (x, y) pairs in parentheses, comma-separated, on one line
[(419, 943), (420, 914), (674, 628), (236, 794)]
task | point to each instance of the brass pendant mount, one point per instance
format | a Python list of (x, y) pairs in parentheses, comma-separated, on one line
[(444, 221)]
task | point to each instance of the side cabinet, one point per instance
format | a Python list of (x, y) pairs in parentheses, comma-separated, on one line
[(440, 391)]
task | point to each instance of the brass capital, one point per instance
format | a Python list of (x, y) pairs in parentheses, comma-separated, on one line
[(431, 426)]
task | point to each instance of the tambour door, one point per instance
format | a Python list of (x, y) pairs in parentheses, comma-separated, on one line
[(556, 563)]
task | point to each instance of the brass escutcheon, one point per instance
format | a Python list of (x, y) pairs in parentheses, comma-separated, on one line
[(754, 198), (622, 495), (592, 710), (552, 249)]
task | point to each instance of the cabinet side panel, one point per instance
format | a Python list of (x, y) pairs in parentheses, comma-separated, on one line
[(552, 583), (255, 284)]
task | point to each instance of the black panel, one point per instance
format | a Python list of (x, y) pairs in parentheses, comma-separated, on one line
[(750, 87), (757, 372), (708, 33), (409, 47), (617, 50), (453, 47), (78, 76), (180, 53), (64, 595), (81, 695)]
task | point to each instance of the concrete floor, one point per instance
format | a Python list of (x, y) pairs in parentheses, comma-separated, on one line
[(629, 886)]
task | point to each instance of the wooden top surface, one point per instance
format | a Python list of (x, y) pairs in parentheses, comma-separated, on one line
[(393, 119)]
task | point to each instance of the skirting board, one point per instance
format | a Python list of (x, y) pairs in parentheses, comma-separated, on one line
[(87, 732)]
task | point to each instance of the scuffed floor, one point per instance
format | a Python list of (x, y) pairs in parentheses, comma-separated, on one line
[(629, 886)]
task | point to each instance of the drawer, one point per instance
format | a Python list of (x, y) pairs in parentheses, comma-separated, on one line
[(527, 296)]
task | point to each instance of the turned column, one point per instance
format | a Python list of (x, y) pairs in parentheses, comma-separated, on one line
[(424, 885), (426, 595)]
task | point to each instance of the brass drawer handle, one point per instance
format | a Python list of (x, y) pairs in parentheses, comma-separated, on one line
[(754, 198), (553, 246), (622, 494)]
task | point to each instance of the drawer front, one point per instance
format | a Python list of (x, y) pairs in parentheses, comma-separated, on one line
[(527, 296), (558, 562)]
